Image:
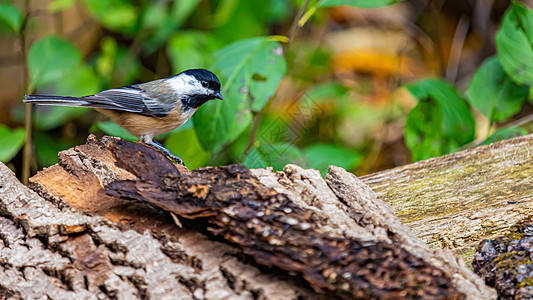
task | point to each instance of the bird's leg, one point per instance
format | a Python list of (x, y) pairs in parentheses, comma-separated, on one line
[(165, 151)]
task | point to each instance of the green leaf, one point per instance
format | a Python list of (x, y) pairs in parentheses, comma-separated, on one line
[(440, 123), (504, 134), (358, 3), (155, 15), (113, 129), (185, 144), (105, 63), (253, 69), (50, 117), (493, 93), (11, 140), (50, 59), (250, 71), (320, 156), (254, 160), (47, 148), (514, 43), (11, 16)]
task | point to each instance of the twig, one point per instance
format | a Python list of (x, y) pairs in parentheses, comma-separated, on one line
[(27, 151), (521, 121), (457, 48), (257, 116), (294, 26), (253, 134)]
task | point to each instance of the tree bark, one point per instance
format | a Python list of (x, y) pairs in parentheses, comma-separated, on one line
[(457, 200), (80, 235)]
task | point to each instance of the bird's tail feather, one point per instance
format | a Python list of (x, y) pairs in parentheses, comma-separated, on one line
[(55, 100)]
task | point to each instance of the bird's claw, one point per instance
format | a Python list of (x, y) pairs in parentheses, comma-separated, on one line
[(175, 158), (165, 151)]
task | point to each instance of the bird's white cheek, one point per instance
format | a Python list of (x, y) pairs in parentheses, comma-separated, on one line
[(181, 85)]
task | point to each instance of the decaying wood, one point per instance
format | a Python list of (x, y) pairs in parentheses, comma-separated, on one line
[(50, 250), (124, 248), (275, 231), (457, 200)]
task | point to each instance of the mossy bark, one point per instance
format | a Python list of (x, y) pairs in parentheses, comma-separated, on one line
[(457, 200)]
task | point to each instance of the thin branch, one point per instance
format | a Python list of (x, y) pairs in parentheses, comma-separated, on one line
[(27, 151), (521, 121), (294, 25), (251, 141), (457, 48), (257, 116)]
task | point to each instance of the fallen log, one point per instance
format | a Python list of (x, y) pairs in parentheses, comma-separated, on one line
[(84, 236), (457, 200)]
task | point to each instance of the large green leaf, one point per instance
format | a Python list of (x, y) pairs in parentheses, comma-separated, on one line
[(250, 71), (440, 123), (320, 156), (11, 140), (493, 93), (358, 3), (514, 43), (185, 144), (11, 16), (252, 68), (50, 59)]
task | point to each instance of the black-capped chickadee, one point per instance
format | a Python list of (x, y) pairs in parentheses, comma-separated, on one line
[(148, 109)]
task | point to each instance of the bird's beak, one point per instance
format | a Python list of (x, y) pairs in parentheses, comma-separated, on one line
[(218, 96)]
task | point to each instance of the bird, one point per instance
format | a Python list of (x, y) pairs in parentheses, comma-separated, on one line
[(151, 108)]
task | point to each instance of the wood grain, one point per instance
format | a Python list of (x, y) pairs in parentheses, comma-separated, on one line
[(457, 200)]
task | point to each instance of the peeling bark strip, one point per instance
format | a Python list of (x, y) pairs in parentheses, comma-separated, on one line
[(277, 232)]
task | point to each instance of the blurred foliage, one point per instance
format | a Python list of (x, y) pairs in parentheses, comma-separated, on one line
[(11, 140), (440, 123), (322, 96), (499, 89)]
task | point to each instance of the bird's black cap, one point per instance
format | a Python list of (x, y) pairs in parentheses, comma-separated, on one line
[(204, 75)]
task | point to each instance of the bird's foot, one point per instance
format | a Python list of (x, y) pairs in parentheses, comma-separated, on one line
[(165, 151)]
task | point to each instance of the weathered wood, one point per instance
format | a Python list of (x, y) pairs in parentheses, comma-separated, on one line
[(136, 251), (457, 200)]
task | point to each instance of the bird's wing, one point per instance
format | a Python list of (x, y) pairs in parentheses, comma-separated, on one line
[(130, 98)]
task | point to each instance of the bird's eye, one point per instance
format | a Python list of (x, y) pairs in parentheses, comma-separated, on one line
[(205, 83)]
